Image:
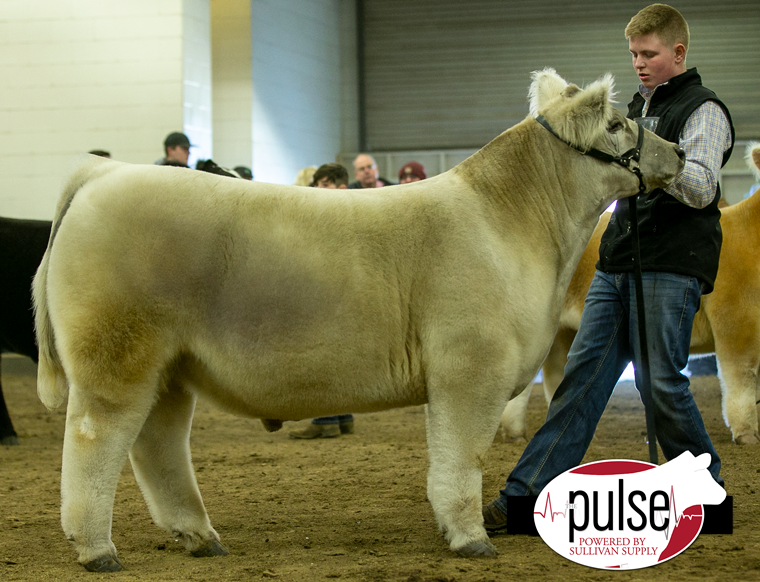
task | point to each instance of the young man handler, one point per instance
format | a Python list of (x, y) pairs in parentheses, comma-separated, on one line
[(680, 245)]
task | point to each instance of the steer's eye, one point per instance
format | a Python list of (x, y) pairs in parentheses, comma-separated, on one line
[(615, 126)]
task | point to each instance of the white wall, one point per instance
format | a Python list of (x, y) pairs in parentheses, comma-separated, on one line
[(349, 77), (196, 78), (77, 75), (296, 48), (232, 84)]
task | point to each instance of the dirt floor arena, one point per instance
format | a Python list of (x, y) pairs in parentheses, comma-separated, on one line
[(349, 509)]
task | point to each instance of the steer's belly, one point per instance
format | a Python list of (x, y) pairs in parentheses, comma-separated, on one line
[(303, 383)]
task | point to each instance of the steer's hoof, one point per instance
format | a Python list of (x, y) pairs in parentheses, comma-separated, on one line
[(104, 564), (477, 550), (748, 439), (210, 549), (9, 441)]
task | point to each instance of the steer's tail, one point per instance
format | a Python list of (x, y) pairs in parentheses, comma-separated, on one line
[(52, 387)]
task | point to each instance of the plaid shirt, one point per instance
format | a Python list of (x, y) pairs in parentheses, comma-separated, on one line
[(704, 139)]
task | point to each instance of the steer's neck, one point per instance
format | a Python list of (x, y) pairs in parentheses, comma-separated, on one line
[(533, 184)]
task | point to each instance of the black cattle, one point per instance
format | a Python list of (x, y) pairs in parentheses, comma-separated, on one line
[(22, 244)]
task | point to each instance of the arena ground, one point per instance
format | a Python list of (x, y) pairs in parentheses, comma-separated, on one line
[(350, 509)]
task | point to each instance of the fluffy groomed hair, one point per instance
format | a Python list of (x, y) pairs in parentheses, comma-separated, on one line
[(577, 115), (664, 21)]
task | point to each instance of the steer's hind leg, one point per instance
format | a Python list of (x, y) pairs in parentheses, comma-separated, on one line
[(100, 430), (512, 426), (161, 462), (460, 430)]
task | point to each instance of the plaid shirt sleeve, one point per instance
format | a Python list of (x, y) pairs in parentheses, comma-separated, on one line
[(704, 139)]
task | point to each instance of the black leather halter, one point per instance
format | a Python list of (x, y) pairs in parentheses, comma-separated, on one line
[(626, 160)]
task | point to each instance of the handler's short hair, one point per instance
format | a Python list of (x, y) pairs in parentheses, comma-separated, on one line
[(335, 173), (664, 21)]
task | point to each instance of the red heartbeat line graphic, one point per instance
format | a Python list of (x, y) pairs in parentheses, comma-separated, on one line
[(548, 505), (672, 509)]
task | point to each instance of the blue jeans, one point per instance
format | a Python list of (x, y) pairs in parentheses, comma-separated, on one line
[(605, 344), (341, 418)]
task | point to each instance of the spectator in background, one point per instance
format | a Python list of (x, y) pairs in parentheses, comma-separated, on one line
[(176, 150), (305, 176), (366, 174), (333, 176), (244, 172), (101, 153), (411, 172)]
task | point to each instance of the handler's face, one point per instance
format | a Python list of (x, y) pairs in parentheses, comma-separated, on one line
[(654, 62)]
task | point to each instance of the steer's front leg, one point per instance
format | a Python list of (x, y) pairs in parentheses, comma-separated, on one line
[(460, 431)]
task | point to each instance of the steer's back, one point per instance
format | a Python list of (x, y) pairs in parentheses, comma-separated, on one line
[(282, 302)]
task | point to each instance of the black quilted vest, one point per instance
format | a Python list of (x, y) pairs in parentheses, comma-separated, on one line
[(674, 237)]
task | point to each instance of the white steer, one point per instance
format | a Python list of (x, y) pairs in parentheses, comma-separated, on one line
[(283, 302)]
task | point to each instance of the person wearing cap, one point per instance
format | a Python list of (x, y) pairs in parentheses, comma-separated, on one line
[(366, 174), (411, 172), (176, 150)]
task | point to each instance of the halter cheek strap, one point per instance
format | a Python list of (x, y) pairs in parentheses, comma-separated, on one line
[(626, 159)]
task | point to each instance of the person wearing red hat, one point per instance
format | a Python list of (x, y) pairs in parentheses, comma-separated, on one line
[(411, 172)]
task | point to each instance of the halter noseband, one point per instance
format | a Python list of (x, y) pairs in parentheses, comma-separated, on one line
[(632, 155)]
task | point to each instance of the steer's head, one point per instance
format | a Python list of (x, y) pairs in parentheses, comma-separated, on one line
[(586, 120)]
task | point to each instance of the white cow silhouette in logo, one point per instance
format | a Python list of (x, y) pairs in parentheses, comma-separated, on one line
[(690, 479)]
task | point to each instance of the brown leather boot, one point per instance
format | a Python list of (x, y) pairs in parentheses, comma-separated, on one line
[(316, 431), (494, 520)]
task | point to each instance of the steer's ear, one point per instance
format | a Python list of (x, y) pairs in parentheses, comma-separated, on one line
[(753, 157), (546, 85), (582, 115)]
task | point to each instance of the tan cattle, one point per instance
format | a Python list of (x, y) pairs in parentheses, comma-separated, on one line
[(284, 302), (728, 322)]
